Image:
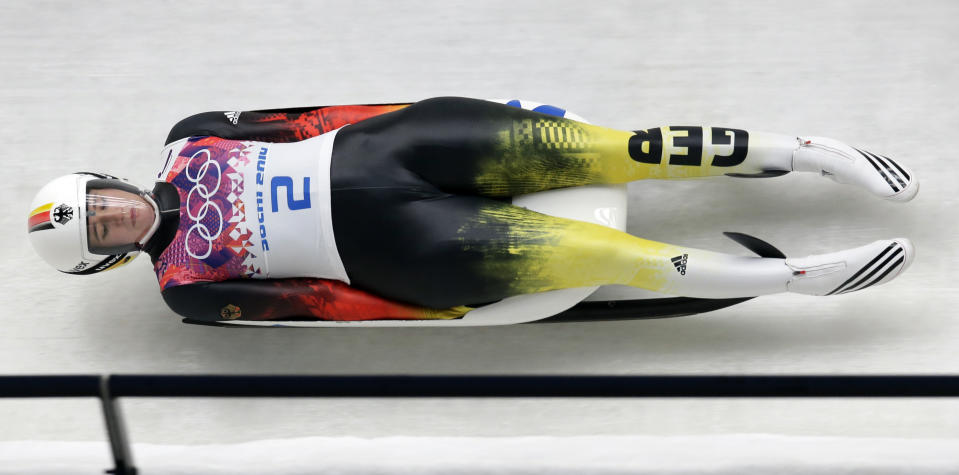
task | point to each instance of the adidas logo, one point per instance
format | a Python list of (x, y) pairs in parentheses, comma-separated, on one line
[(680, 263), (233, 116)]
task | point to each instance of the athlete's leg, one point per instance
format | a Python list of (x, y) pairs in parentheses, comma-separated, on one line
[(402, 234), (533, 252), (447, 250), (451, 250), (478, 147)]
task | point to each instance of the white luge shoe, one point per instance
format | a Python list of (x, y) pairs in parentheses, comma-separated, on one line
[(850, 270), (842, 163)]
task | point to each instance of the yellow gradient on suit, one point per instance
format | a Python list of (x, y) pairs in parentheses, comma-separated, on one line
[(536, 252), (546, 152), (443, 313), (542, 252)]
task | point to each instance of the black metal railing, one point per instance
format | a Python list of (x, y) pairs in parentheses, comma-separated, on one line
[(109, 388)]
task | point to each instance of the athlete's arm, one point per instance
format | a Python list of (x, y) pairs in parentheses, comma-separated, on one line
[(285, 299), (276, 125)]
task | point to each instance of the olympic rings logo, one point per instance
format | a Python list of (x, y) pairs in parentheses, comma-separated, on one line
[(203, 232)]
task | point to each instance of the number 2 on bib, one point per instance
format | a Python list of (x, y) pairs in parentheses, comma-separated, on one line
[(287, 182)]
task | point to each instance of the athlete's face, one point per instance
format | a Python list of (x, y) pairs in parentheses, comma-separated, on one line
[(117, 218)]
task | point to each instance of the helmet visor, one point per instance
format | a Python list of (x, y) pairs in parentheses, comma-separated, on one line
[(117, 217)]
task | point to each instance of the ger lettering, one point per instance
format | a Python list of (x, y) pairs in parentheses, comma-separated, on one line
[(647, 145)]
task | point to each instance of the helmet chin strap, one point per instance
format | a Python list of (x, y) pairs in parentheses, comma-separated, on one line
[(156, 220)]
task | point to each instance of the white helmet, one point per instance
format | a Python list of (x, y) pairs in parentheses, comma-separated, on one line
[(58, 230)]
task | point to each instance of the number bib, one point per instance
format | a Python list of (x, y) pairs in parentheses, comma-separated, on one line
[(250, 210)]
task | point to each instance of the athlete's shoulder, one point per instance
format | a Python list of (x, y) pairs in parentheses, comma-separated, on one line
[(276, 125), (217, 123)]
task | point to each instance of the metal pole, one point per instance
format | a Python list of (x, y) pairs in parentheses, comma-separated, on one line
[(116, 431), (535, 386)]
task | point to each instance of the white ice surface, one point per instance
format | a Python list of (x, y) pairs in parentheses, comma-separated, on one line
[(728, 454), (98, 84)]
